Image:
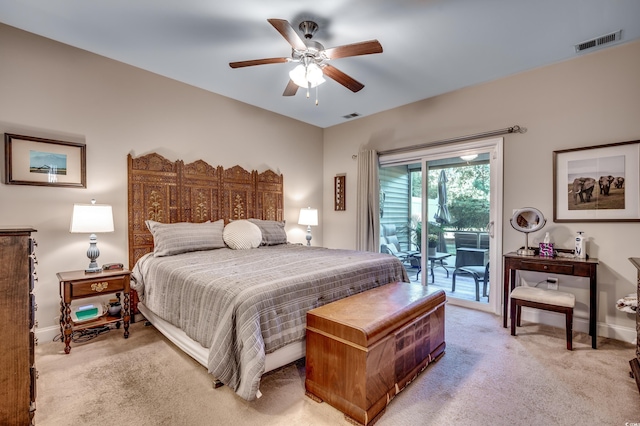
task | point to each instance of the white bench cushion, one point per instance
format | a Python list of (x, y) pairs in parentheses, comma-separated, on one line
[(539, 295)]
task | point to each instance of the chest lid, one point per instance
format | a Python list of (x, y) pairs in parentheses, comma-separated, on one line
[(367, 317)]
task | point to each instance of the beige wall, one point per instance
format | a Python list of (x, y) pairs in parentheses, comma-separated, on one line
[(54, 91), (591, 100)]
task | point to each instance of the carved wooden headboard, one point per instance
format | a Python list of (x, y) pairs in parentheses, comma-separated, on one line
[(171, 192)]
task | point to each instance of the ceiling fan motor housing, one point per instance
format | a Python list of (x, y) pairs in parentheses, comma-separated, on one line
[(308, 28)]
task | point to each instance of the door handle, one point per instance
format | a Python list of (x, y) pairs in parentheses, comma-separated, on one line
[(490, 228)]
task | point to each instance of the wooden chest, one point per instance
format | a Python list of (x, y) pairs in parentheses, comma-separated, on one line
[(364, 349)]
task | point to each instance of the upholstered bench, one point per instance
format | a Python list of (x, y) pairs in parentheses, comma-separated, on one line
[(549, 300), (364, 349)]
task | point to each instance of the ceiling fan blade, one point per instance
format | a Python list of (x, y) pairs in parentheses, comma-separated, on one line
[(355, 49), (342, 78), (291, 89), (258, 62), (288, 33)]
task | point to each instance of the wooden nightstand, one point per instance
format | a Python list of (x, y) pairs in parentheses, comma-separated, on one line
[(78, 285)]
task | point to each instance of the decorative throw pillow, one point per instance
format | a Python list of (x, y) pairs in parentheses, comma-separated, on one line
[(242, 235), (273, 232), (176, 238)]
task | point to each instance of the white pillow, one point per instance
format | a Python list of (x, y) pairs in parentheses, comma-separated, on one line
[(176, 238), (242, 235)]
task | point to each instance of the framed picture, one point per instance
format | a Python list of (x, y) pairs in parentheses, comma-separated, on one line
[(44, 162), (339, 192), (597, 183)]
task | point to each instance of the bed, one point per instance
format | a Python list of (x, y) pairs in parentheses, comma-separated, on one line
[(236, 306)]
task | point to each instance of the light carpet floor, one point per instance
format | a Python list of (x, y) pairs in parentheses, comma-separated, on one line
[(486, 377)]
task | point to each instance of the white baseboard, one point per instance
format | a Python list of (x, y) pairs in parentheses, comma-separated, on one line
[(611, 331), (47, 334)]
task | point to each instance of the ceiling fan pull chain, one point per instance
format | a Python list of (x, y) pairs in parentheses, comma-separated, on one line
[(317, 95)]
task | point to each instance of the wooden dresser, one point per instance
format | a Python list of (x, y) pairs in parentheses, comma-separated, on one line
[(364, 349), (17, 358)]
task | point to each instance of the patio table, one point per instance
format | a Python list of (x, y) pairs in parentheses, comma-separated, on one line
[(437, 257)]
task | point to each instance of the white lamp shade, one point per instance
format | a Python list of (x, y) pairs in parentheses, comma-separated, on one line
[(309, 76), (308, 217), (91, 218)]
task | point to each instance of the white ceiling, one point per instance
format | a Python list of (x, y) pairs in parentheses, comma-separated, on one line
[(430, 46)]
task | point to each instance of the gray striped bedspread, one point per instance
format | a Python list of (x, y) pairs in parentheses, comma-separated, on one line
[(246, 303)]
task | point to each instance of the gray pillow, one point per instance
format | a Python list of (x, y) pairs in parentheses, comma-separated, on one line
[(273, 232), (183, 237)]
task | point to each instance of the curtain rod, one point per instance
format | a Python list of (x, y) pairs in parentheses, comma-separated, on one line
[(513, 129)]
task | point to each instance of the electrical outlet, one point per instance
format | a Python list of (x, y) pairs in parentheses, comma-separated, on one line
[(552, 283)]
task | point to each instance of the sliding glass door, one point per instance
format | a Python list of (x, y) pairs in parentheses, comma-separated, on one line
[(442, 205)]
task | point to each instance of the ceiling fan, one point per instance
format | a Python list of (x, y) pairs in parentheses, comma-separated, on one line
[(312, 58)]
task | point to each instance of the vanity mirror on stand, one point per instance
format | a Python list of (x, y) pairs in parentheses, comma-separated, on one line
[(526, 220)]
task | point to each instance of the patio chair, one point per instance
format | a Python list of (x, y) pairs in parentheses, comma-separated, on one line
[(472, 262), (483, 240), (391, 249), (466, 239), (389, 243)]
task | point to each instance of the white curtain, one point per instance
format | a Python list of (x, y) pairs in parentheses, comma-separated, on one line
[(368, 205)]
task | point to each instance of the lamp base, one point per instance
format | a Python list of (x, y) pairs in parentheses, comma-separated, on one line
[(526, 252), (309, 235), (93, 253)]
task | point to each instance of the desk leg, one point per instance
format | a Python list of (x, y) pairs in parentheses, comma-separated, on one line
[(593, 310), (509, 283), (505, 293)]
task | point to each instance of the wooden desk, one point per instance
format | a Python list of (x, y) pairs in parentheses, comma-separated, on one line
[(553, 265)]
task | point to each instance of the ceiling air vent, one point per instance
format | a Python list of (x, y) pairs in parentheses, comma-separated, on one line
[(350, 116), (599, 41)]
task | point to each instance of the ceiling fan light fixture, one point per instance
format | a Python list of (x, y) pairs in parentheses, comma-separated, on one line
[(315, 75), (307, 76), (298, 75), (313, 58), (469, 157)]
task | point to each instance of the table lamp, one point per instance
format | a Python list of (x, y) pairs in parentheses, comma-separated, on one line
[(91, 219), (308, 217)]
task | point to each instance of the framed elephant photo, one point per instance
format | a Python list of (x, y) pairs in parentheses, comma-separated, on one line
[(597, 183)]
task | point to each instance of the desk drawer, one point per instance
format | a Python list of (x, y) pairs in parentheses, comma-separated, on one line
[(97, 287), (560, 268)]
